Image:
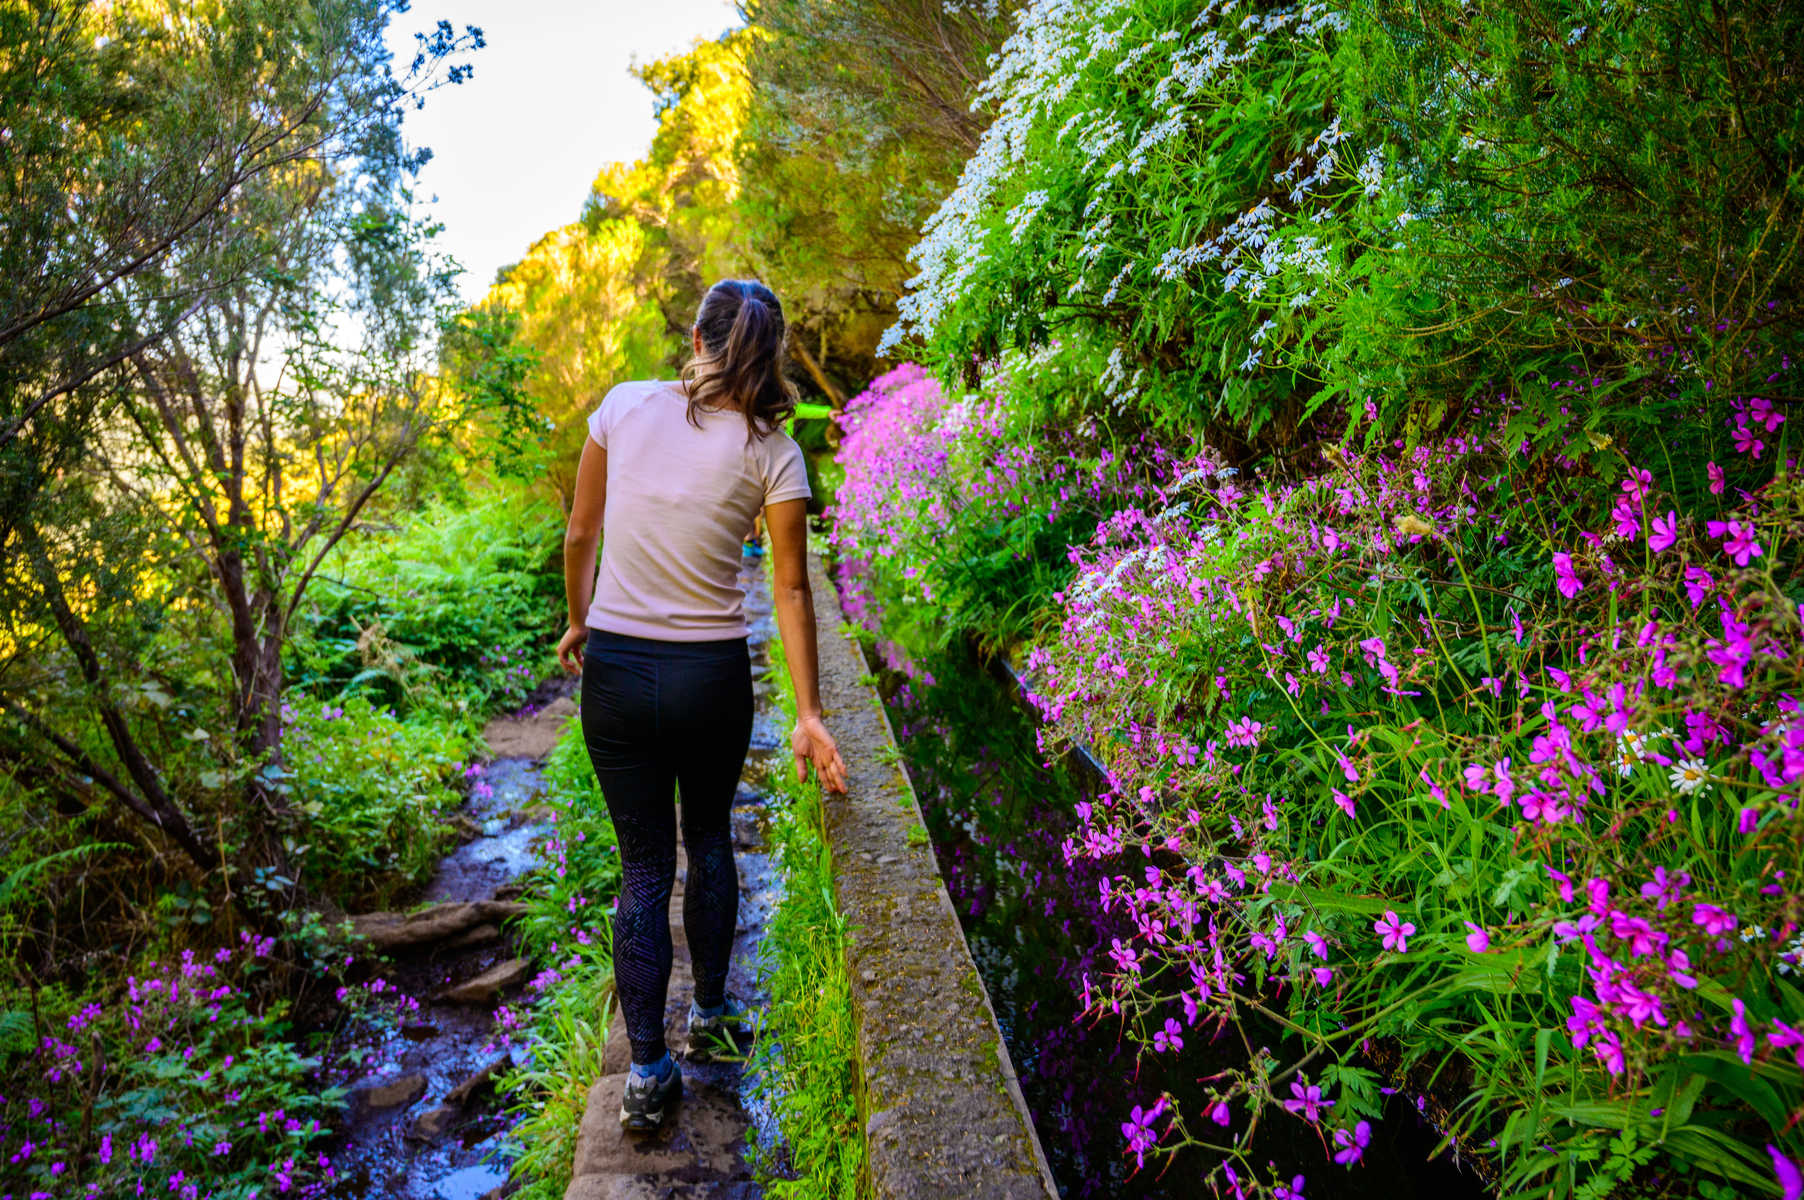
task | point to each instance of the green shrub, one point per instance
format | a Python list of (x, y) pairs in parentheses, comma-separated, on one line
[(375, 791), (453, 610)]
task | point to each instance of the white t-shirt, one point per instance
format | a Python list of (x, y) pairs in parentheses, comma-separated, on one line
[(680, 501)]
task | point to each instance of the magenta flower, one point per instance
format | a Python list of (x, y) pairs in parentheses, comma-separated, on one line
[(1665, 532), (1738, 540), (1244, 732), (1742, 1033), (1714, 920), (1306, 1101), (1698, 583), (1626, 518), (1395, 931), (1566, 578), (1478, 941), (1717, 482), (1137, 1129), (1791, 1180), (1353, 1143), (1747, 443), (1220, 1114)]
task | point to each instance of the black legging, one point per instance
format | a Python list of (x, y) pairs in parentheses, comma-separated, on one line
[(659, 716)]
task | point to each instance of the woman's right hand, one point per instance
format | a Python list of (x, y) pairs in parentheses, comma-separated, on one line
[(812, 744), (570, 649)]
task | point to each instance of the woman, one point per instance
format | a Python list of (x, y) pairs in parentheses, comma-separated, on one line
[(674, 474)]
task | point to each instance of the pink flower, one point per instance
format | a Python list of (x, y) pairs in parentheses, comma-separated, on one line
[(1307, 1101), (1565, 576), (1761, 409), (1394, 930), (1738, 540), (1791, 1180), (1716, 478), (1714, 920), (1665, 532), (1747, 443), (1344, 802), (1698, 583), (1628, 521), (1478, 941), (1743, 1035), (1353, 1143), (1220, 1114), (1244, 732)]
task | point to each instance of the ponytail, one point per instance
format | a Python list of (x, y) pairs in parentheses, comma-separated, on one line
[(741, 361)]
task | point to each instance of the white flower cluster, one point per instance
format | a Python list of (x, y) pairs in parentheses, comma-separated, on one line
[(1030, 76), (984, 8), (1115, 381), (1023, 214), (1188, 71)]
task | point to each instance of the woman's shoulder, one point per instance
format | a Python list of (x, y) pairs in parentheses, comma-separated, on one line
[(638, 388), (625, 398)]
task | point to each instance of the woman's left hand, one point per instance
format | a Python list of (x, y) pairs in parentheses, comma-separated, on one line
[(570, 648)]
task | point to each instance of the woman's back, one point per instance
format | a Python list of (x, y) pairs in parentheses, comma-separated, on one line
[(680, 500)]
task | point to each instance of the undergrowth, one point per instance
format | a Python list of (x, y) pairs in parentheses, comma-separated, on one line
[(806, 1054), (564, 1024)]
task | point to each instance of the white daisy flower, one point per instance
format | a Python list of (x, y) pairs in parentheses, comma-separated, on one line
[(1690, 776)]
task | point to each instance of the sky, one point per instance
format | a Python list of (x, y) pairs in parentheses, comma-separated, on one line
[(516, 147)]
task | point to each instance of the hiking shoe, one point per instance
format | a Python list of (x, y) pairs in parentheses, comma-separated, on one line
[(716, 1038), (647, 1099)]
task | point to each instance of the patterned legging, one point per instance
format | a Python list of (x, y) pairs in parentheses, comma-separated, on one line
[(661, 717)]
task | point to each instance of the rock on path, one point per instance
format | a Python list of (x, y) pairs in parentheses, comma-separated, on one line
[(700, 1152)]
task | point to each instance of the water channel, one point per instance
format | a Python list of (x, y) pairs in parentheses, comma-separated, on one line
[(997, 817)]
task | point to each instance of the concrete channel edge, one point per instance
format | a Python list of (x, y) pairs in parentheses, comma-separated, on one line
[(942, 1107)]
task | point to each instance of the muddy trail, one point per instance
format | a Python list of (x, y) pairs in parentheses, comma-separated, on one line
[(424, 1120)]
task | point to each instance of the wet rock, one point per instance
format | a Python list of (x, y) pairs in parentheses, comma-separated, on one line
[(492, 982), (396, 1093), (703, 1140), (433, 1122), (482, 935), (461, 1094), (388, 931)]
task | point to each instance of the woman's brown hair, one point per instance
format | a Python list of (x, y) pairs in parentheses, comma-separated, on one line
[(740, 366)]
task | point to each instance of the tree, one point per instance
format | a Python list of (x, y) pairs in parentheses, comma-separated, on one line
[(613, 294), (860, 121), (253, 360)]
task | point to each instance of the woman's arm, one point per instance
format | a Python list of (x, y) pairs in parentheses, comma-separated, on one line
[(787, 521), (581, 536)]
